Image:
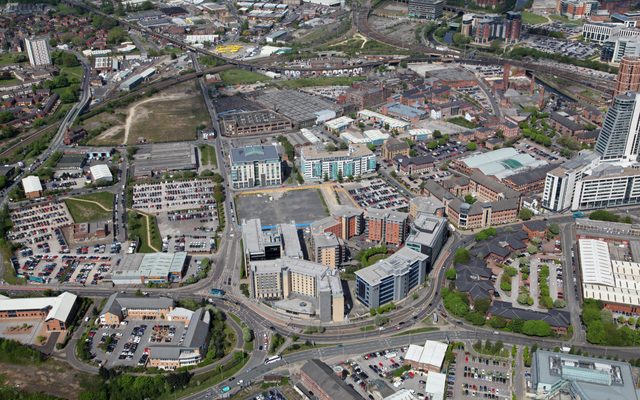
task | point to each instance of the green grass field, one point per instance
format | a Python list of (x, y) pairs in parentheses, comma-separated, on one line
[(240, 76), (208, 155), (9, 58), (82, 210), (532, 19)]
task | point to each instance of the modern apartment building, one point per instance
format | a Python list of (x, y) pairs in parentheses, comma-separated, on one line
[(618, 138), (288, 282), (38, 52), (391, 279), (346, 222), (255, 166), (429, 9), (560, 183), (577, 9), (317, 164), (600, 32), (628, 78), (329, 249), (384, 226), (607, 186)]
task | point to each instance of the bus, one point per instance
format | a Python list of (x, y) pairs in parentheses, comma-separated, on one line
[(273, 359), (217, 292), (226, 389)]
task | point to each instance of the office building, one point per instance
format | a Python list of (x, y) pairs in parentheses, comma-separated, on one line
[(428, 235), (56, 312), (329, 249), (387, 227), (38, 52), (290, 241), (255, 166), (429, 9), (298, 287), (560, 183), (317, 164), (615, 48), (425, 204), (260, 244), (393, 148), (559, 375), (319, 379), (577, 9), (391, 279), (618, 138), (607, 186), (121, 306), (600, 32), (628, 79)]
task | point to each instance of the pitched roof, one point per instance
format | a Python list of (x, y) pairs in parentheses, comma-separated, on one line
[(326, 379), (555, 318)]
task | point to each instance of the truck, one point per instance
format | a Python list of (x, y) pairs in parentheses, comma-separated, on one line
[(217, 292)]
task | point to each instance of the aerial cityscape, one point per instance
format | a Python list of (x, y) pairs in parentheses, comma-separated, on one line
[(320, 199)]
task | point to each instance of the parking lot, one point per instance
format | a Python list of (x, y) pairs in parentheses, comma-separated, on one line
[(376, 193), (567, 47), (301, 206), (36, 224), (126, 345), (173, 196), (194, 222), (479, 376), (85, 270)]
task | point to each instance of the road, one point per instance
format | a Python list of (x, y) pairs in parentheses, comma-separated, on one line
[(568, 243)]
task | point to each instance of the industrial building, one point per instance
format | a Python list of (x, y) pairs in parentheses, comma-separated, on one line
[(136, 269), (613, 282), (164, 157), (302, 109), (385, 226), (298, 287), (254, 123), (428, 235), (32, 187), (255, 166), (429, 357), (101, 173), (391, 279), (316, 164), (38, 52), (500, 163), (318, 378), (56, 312), (587, 378)]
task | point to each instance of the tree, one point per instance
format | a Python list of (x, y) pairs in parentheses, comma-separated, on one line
[(536, 328), (496, 45), (497, 322), (437, 134), (461, 256), (531, 249), (469, 199), (432, 145), (472, 146), (451, 274), (5, 116), (525, 214)]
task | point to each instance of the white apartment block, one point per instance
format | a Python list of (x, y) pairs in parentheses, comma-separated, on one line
[(255, 166), (38, 52), (317, 164)]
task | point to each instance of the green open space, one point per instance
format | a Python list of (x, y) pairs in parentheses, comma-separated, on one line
[(9, 58), (138, 228), (417, 330), (240, 76), (84, 208), (208, 155), (532, 19), (10, 82)]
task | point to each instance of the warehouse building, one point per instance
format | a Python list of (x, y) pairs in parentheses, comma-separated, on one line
[(302, 109), (316, 164), (429, 357), (318, 378), (254, 123), (150, 268), (164, 157), (56, 312), (255, 166), (391, 279), (298, 287), (587, 378), (32, 187), (101, 173)]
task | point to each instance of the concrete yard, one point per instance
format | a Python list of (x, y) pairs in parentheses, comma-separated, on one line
[(301, 206)]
